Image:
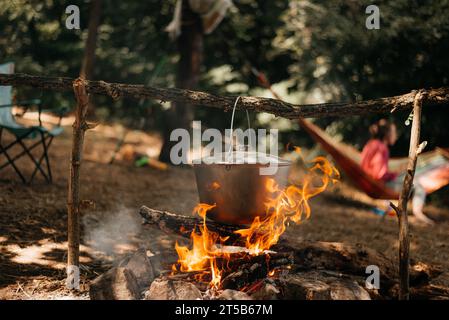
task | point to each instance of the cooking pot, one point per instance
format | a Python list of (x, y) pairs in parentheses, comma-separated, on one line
[(234, 183), (237, 187)]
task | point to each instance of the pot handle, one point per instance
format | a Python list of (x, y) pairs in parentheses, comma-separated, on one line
[(232, 126)]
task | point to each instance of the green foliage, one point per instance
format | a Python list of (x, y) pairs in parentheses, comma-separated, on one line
[(321, 50), (334, 54), (131, 46)]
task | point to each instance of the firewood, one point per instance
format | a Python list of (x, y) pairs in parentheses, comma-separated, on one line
[(342, 257), (241, 278), (270, 259), (430, 291), (245, 270), (184, 225), (347, 259)]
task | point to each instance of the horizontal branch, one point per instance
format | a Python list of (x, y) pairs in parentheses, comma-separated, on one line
[(276, 107)]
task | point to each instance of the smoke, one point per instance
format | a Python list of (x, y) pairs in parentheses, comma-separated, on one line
[(113, 232)]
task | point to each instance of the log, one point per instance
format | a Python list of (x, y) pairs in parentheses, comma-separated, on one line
[(246, 270), (429, 292), (239, 279), (350, 259), (270, 259), (434, 97), (184, 225)]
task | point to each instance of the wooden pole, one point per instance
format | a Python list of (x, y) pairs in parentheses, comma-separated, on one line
[(73, 198), (434, 97), (401, 210)]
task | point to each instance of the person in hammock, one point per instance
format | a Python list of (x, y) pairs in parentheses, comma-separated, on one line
[(375, 156)]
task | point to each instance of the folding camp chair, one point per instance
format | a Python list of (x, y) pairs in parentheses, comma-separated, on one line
[(22, 133)]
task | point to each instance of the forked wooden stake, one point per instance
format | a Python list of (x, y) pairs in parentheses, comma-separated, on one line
[(401, 210), (73, 200)]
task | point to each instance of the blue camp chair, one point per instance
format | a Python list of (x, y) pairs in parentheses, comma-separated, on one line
[(22, 133)]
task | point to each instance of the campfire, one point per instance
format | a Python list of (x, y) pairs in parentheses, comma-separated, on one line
[(257, 260), (212, 256)]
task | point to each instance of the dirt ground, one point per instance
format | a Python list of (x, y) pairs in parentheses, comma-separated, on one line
[(33, 218)]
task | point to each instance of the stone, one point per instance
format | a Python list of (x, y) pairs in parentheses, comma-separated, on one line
[(230, 294), (348, 290), (140, 265), (315, 285), (302, 288), (266, 291), (116, 284), (163, 289)]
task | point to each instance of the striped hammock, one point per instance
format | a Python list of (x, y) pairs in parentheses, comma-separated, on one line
[(432, 170)]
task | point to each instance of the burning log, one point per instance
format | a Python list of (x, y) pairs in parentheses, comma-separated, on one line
[(183, 225), (248, 269)]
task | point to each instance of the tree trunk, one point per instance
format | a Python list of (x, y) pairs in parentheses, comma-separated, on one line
[(91, 42), (190, 48)]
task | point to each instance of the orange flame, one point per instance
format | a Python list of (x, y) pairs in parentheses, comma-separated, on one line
[(202, 255), (283, 206), (290, 204)]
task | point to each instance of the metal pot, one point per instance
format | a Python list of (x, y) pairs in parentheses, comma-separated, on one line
[(237, 189)]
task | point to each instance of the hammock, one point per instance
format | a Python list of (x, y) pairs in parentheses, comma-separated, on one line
[(432, 169)]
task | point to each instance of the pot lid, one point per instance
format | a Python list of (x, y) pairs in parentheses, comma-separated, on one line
[(243, 157)]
